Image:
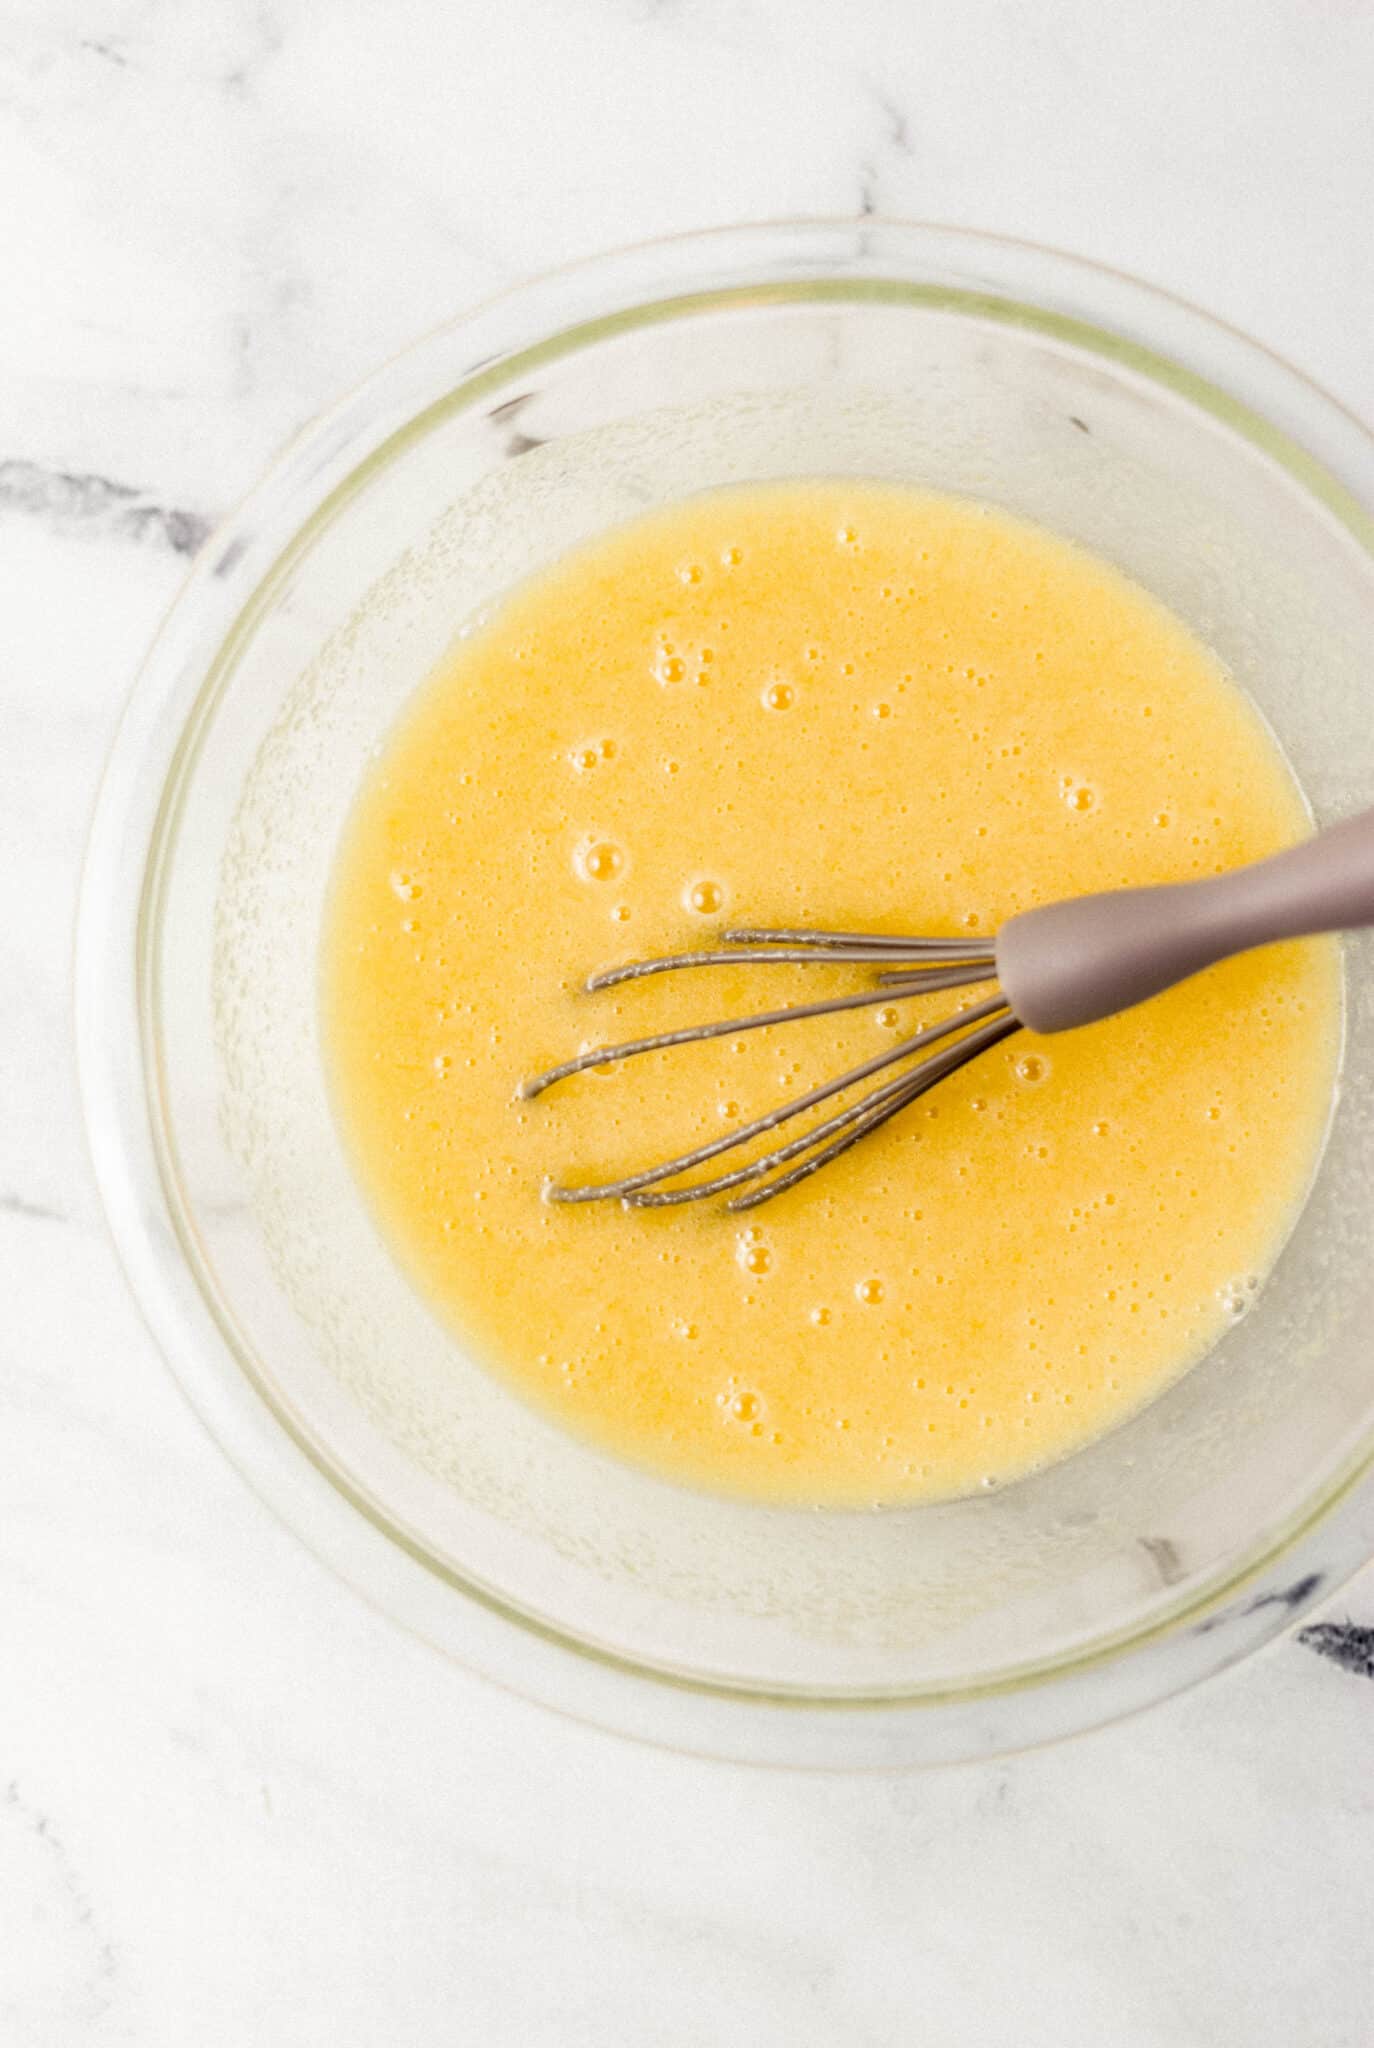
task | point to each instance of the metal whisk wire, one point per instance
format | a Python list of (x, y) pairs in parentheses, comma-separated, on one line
[(916, 966)]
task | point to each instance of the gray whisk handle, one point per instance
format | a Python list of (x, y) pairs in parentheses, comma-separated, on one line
[(1074, 962)]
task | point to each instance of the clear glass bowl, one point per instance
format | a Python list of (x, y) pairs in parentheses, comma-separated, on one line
[(1207, 470)]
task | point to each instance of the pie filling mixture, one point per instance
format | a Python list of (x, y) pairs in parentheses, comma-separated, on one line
[(860, 707)]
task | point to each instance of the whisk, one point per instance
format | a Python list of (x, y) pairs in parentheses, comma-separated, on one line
[(1065, 964)]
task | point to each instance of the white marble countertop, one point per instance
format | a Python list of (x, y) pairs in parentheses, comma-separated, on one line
[(235, 1805)]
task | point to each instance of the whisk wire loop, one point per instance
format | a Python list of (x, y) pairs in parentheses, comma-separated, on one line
[(916, 967)]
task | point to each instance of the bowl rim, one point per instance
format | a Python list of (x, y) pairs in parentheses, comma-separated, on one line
[(1327, 451)]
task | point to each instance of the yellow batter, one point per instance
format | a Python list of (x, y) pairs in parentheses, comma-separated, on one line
[(846, 705)]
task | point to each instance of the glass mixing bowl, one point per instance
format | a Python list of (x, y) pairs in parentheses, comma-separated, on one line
[(1207, 470)]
